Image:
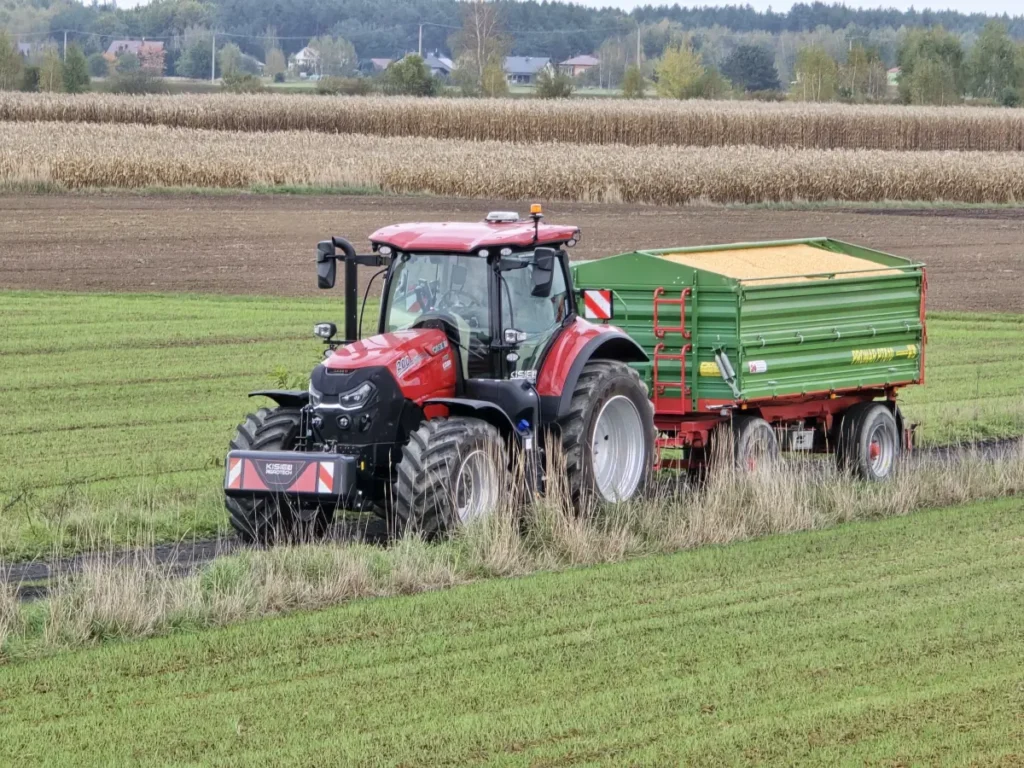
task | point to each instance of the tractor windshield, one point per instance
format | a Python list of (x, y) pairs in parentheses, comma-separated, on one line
[(539, 317), (453, 288)]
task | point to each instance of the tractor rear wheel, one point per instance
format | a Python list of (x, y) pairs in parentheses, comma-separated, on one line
[(452, 471), (868, 443), (608, 435), (262, 520)]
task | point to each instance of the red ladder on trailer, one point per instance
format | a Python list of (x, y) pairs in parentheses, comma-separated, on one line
[(662, 404)]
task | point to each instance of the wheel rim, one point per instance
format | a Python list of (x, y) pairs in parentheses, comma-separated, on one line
[(476, 486), (881, 450), (759, 450), (618, 449)]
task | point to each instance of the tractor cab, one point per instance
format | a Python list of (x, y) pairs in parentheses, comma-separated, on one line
[(500, 289)]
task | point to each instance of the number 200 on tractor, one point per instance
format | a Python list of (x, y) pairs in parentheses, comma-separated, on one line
[(493, 350)]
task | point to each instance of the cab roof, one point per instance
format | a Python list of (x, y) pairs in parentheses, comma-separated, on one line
[(466, 237)]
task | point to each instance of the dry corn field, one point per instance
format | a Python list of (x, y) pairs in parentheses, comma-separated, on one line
[(634, 123), (130, 156)]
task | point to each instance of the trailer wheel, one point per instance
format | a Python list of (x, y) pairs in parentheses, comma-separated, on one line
[(608, 435), (754, 443), (868, 443), (261, 520), (452, 471)]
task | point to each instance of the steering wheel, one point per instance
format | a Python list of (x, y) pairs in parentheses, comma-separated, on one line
[(457, 301), (458, 295)]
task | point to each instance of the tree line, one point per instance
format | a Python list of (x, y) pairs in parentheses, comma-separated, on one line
[(933, 67), (390, 28)]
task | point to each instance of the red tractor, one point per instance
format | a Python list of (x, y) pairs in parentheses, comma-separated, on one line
[(480, 357)]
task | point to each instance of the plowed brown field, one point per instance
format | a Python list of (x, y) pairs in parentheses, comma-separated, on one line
[(265, 244)]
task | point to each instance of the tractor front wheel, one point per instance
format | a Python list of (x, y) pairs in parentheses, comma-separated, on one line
[(608, 435), (452, 471), (262, 520)]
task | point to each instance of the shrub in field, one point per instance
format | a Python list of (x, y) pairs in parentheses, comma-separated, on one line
[(409, 77), (240, 82), (633, 85), (134, 83), (345, 86), (98, 65), (553, 85), (10, 63), (30, 79), (76, 71)]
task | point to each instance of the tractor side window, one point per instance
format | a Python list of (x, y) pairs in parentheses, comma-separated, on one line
[(539, 317)]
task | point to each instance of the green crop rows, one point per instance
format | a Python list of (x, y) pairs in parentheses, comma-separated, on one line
[(118, 408), (893, 642)]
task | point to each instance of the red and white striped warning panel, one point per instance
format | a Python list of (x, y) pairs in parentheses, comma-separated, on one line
[(235, 473), (597, 305), (325, 483), (288, 472)]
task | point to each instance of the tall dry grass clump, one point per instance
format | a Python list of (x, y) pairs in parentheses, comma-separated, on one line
[(114, 598), (80, 156), (11, 622), (632, 123)]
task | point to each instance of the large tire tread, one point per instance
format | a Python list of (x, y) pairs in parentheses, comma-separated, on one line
[(577, 424), (264, 521), (423, 492)]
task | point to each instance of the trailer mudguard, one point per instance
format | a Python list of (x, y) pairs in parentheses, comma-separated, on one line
[(288, 398), (564, 363)]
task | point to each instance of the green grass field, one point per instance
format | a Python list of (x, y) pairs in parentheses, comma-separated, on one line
[(118, 408), (893, 642)]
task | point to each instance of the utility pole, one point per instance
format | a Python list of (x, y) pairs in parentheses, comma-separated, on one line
[(421, 41), (638, 45), (65, 45), (213, 56)]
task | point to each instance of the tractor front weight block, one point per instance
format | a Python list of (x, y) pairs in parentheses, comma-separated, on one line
[(327, 477)]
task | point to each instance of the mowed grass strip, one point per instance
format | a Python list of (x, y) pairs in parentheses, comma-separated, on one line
[(892, 642), (119, 408), (974, 379)]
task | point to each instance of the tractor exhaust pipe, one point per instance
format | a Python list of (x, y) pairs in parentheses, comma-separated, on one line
[(351, 289)]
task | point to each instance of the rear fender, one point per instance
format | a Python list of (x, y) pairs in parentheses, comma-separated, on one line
[(288, 398), (905, 429), (610, 345)]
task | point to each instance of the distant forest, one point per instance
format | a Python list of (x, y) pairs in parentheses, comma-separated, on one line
[(390, 28)]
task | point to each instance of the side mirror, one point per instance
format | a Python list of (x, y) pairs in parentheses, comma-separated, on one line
[(543, 272), (326, 265)]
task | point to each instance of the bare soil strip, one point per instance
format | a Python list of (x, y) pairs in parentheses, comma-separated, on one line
[(265, 244)]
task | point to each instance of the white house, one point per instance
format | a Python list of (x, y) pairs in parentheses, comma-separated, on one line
[(305, 60)]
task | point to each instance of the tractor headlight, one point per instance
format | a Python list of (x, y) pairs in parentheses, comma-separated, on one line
[(315, 396), (356, 398)]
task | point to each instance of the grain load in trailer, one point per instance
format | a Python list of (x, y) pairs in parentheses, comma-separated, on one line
[(807, 340)]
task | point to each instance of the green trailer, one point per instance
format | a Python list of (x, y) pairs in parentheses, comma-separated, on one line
[(797, 345)]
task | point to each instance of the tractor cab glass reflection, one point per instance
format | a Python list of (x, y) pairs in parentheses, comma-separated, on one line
[(450, 288)]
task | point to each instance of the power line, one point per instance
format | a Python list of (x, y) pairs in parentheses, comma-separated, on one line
[(391, 28)]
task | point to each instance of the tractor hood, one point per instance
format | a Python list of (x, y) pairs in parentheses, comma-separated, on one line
[(420, 360)]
